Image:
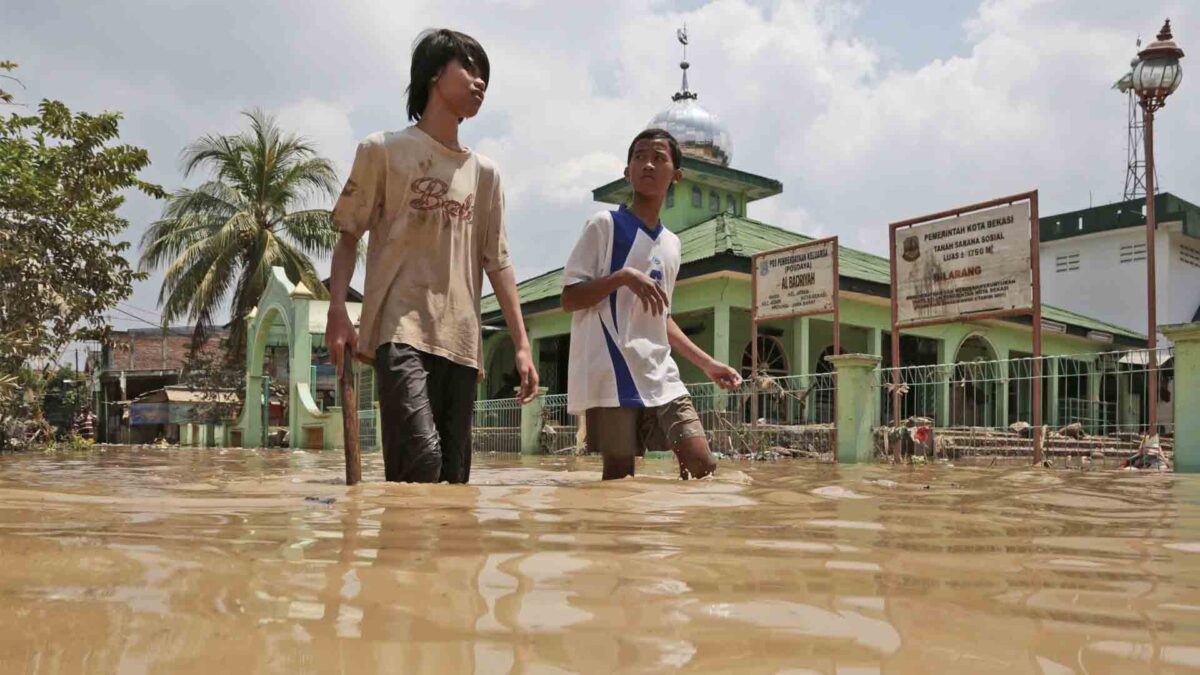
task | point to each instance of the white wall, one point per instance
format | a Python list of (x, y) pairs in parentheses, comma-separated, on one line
[(1105, 288), (1184, 280)]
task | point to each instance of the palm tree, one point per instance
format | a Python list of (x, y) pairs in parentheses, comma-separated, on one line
[(225, 235)]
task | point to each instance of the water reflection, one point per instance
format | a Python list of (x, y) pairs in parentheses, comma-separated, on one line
[(176, 561)]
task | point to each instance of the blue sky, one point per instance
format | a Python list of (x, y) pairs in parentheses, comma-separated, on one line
[(868, 111)]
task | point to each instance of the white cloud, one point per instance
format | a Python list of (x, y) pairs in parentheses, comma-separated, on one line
[(856, 139), (326, 125)]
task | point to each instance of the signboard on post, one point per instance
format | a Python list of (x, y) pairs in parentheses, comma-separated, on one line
[(796, 281), (789, 282), (968, 264), (951, 269)]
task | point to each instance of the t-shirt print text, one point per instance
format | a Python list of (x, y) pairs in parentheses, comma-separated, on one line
[(431, 196)]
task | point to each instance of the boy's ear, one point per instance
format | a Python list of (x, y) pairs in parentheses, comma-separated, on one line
[(678, 176), (626, 172)]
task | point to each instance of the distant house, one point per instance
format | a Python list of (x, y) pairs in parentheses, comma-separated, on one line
[(159, 414), (131, 363)]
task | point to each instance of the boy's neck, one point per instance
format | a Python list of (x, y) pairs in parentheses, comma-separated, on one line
[(440, 124), (647, 209)]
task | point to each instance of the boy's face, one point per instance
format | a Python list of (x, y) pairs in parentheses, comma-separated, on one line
[(460, 86), (651, 170)]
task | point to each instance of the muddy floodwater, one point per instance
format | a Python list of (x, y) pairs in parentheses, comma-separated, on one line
[(139, 560)]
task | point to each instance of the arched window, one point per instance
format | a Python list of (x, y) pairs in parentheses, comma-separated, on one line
[(697, 197), (975, 384), (731, 204), (772, 357), (714, 201), (772, 362)]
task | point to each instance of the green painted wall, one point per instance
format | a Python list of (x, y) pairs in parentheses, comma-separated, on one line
[(681, 213)]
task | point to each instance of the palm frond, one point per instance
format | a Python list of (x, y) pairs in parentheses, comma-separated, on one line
[(312, 231)]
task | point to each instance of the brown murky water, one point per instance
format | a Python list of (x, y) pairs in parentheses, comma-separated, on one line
[(179, 561)]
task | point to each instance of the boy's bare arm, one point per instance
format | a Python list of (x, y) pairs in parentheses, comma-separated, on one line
[(504, 284), (723, 375), (588, 293), (339, 330)]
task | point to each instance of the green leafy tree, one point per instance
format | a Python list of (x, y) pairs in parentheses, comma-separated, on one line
[(62, 180), (220, 240)]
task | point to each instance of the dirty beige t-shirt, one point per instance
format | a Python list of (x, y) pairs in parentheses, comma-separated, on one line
[(436, 220)]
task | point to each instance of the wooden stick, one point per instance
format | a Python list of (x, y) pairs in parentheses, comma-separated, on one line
[(350, 418)]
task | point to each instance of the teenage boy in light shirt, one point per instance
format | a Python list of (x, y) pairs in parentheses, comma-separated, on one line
[(435, 213)]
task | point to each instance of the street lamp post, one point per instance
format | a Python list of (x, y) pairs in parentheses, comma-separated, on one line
[(1156, 74)]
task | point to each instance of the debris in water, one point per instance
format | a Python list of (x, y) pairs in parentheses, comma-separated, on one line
[(321, 500), (1073, 430), (1149, 456)]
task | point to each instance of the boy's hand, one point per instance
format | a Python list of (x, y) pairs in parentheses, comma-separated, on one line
[(529, 375), (725, 377), (654, 298), (339, 332)]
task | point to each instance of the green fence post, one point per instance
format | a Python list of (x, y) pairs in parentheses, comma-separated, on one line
[(856, 406), (531, 423), (1186, 337)]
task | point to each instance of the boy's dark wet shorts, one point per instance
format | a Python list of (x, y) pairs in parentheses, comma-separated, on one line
[(617, 432), (426, 404)]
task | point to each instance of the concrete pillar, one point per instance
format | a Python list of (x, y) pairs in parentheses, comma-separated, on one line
[(721, 316), (1093, 397), (1051, 391), (299, 363), (799, 347), (946, 360), (799, 357), (531, 423), (876, 345), (1187, 394), (1004, 370), (252, 430), (856, 403), (720, 351)]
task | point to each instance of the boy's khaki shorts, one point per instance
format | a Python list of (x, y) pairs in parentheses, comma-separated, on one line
[(624, 432)]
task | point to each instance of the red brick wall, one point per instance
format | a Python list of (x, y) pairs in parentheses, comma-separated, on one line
[(148, 350)]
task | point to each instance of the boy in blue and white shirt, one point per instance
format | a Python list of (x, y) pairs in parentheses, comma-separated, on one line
[(618, 282)]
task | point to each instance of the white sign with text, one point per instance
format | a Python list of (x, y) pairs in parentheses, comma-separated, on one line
[(796, 281), (972, 264)]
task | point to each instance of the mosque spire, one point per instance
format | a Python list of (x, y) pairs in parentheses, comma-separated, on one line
[(682, 35)]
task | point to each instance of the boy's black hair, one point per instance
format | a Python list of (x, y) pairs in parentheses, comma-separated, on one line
[(435, 48), (655, 134)]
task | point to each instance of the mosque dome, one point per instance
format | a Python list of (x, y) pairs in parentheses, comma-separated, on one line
[(699, 132)]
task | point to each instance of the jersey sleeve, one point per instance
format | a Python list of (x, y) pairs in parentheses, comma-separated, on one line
[(587, 260)]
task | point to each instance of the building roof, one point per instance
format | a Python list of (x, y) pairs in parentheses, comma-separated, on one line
[(727, 178), (726, 242), (175, 394), (1120, 215), (352, 294)]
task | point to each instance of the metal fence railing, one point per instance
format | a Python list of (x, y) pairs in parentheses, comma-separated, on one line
[(795, 415), (1088, 402), (496, 426), (560, 428), (367, 414)]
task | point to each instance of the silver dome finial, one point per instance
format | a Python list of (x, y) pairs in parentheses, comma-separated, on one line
[(681, 34)]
